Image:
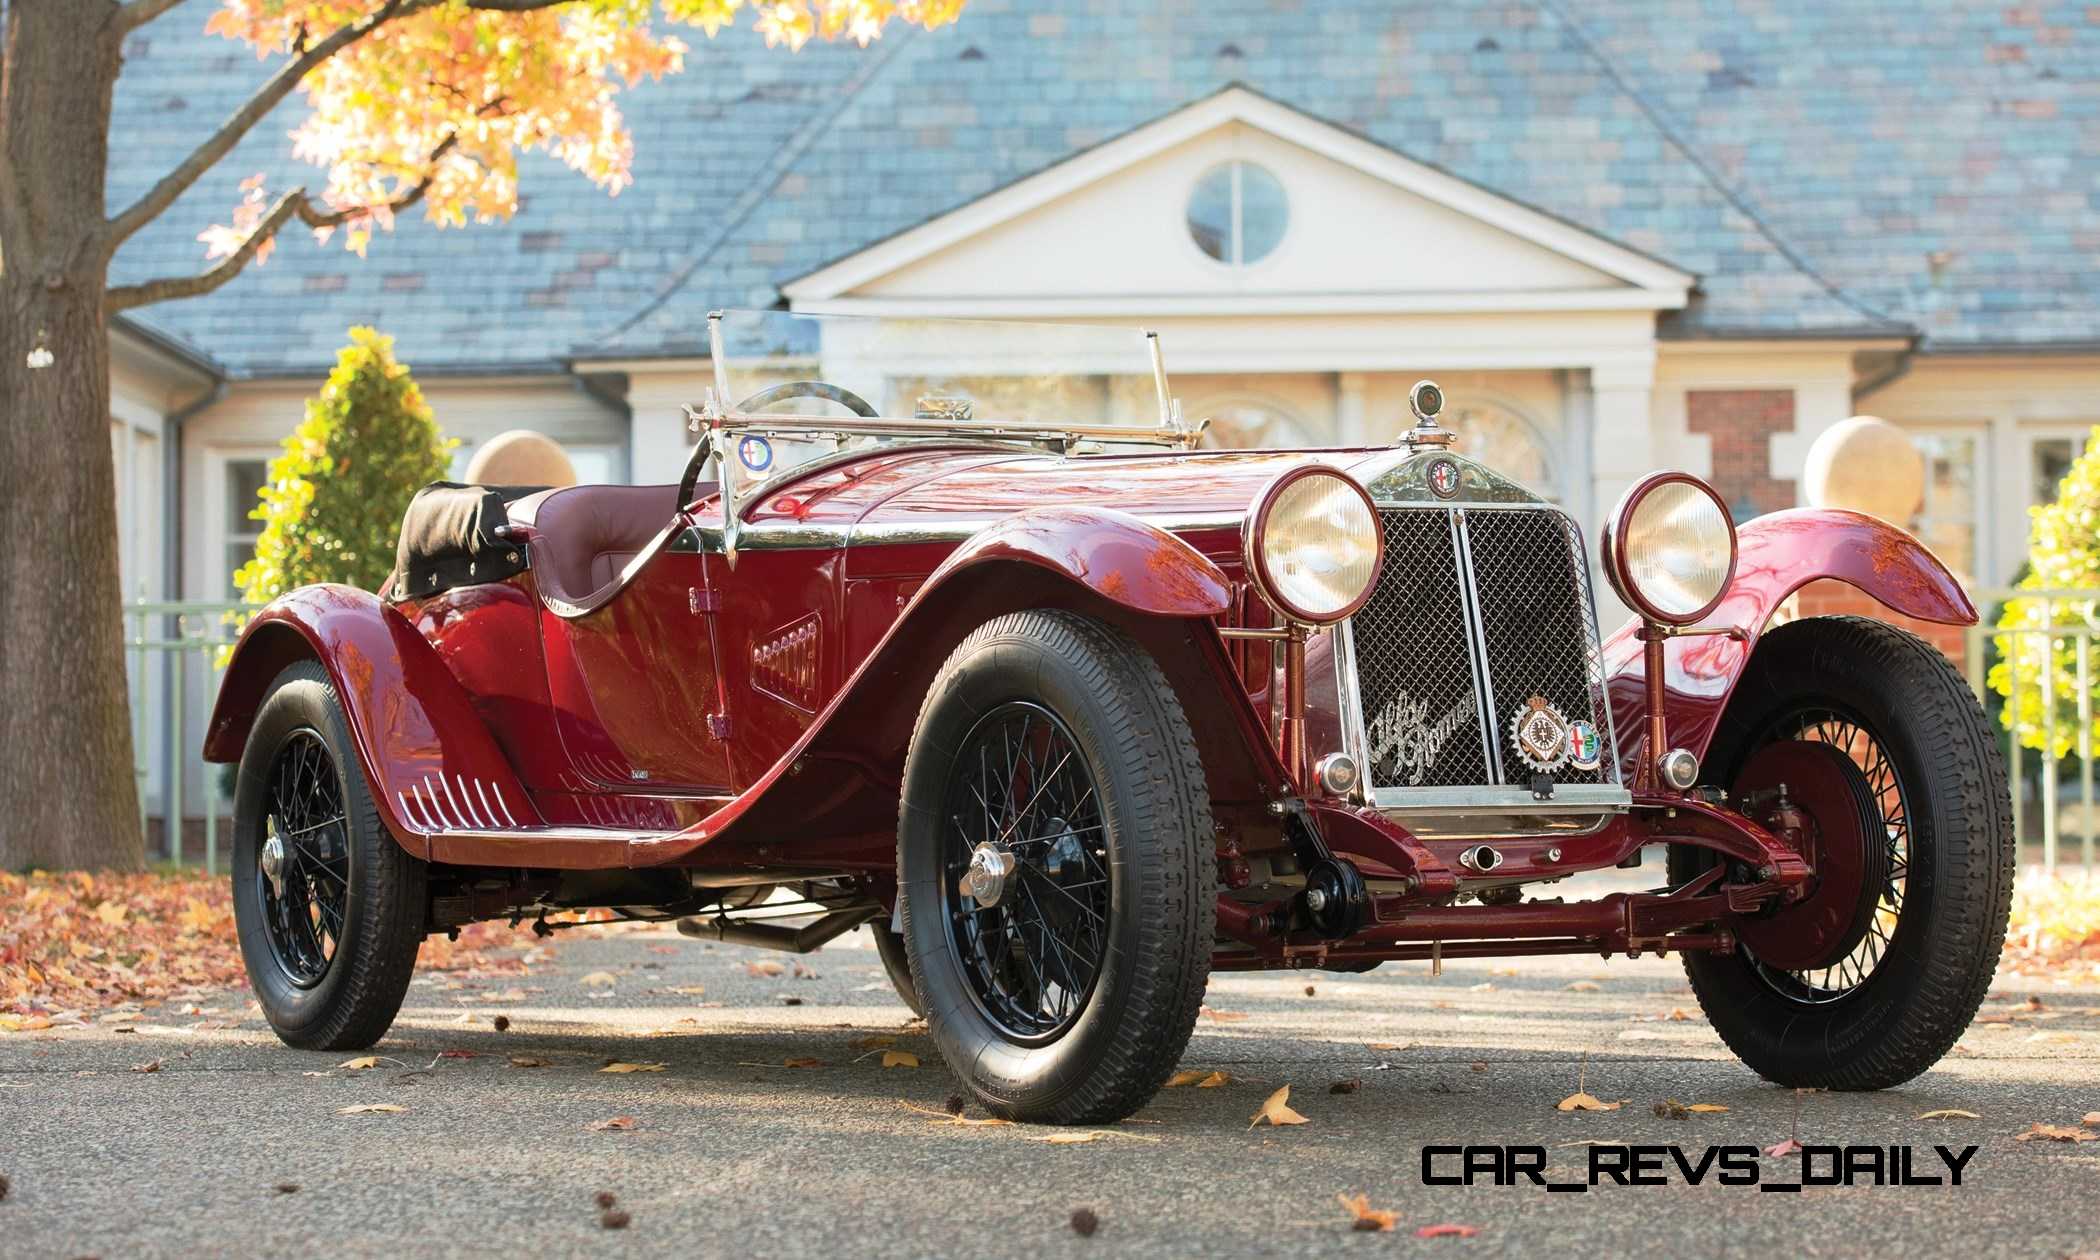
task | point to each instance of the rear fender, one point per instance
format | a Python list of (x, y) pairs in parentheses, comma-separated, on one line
[(1776, 556), (429, 759), (1096, 561)]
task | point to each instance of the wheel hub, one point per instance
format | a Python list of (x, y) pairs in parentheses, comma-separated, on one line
[(271, 859), (1844, 841), (991, 867)]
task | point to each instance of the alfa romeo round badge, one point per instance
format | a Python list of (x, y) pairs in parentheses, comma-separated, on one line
[(1443, 477), (1585, 746), (755, 453)]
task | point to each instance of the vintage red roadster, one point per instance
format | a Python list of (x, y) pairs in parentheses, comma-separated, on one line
[(934, 637)]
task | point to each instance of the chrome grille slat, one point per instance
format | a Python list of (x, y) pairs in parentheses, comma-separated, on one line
[(1475, 612)]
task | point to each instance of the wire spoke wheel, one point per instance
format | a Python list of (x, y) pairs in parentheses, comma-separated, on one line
[(304, 858), (1889, 827), (1028, 889)]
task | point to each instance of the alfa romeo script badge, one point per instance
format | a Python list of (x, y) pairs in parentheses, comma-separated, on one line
[(1443, 477), (1540, 732)]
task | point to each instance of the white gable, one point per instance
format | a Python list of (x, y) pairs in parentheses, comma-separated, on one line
[(1368, 230)]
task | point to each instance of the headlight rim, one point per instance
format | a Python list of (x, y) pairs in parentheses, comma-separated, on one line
[(1255, 562), (1614, 557)]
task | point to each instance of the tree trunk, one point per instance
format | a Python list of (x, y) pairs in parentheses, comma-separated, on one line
[(67, 793)]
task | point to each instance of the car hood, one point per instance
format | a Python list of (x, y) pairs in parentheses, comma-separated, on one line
[(940, 488)]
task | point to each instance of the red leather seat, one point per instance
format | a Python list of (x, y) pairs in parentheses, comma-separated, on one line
[(584, 537)]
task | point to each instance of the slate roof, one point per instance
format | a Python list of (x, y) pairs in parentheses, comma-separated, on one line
[(1875, 166)]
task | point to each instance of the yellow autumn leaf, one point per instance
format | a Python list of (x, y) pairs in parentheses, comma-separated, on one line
[(372, 1109), (1950, 1113), (624, 1068), (1707, 1107), (599, 980), (1186, 1076), (1366, 1217), (1585, 986), (360, 1064), (1276, 1110), (1587, 1102), (899, 1058)]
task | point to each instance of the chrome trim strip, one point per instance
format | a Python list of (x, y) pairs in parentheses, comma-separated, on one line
[(1469, 612), (1476, 629), (409, 815), (786, 536), (1356, 741), (1568, 798), (504, 806), (437, 810)]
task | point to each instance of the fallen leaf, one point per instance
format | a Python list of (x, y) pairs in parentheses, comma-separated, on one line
[(371, 1109), (359, 1065), (2056, 1133), (287, 1187), (1950, 1113), (622, 1068), (599, 980), (1224, 1017), (899, 1058), (1084, 1222), (526, 1061), (605, 1199), (1587, 1102), (953, 1116), (1276, 1110), (1069, 1137), (1585, 986), (1365, 1217), (502, 1023), (1349, 1086), (1385, 1045), (2090, 1117), (806, 1062), (876, 1041), (764, 967), (686, 990), (618, 1124), (1446, 1231), (459, 1054), (1186, 1076), (1707, 1107), (150, 1065), (1781, 1149), (614, 1218)]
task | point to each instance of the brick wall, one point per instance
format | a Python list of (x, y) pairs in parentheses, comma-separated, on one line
[(1835, 599), (1740, 423)]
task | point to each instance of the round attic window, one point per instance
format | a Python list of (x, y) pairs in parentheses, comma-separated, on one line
[(1238, 213)]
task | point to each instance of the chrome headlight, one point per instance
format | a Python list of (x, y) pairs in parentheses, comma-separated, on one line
[(1669, 548), (1313, 545)]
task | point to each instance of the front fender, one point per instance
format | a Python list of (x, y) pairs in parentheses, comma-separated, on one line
[(1776, 556), (1117, 556), (397, 697)]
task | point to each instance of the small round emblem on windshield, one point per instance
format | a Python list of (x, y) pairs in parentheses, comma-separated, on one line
[(755, 452)]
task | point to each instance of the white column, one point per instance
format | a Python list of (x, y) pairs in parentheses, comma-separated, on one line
[(658, 442), (1351, 421), (1623, 447)]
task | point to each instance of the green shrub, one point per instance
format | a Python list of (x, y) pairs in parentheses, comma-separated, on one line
[(331, 505), (2063, 553)]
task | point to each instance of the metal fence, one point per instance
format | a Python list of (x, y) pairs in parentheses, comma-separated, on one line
[(175, 650), (2049, 664)]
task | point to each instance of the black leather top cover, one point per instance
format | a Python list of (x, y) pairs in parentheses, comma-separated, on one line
[(448, 539)]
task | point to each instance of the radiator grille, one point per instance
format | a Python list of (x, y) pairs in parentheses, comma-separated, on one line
[(1421, 716), (1434, 713)]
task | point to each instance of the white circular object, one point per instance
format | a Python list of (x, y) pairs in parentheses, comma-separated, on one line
[(521, 457), (1868, 465)]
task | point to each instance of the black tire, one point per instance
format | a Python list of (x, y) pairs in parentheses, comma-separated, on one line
[(1872, 1027), (343, 993), (1115, 1046), (896, 961)]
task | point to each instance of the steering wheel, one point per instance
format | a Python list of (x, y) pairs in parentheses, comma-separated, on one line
[(765, 398)]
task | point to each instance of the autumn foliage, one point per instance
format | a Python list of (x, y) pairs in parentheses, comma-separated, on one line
[(434, 103)]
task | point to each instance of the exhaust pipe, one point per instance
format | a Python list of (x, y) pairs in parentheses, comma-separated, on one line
[(802, 940), (1481, 858)]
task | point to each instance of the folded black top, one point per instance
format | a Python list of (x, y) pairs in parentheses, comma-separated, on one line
[(448, 539)]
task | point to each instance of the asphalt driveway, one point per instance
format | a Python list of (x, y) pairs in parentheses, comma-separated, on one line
[(502, 1142)]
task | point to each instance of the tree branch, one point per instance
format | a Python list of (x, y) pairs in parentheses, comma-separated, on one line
[(266, 98), (139, 12), (293, 203)]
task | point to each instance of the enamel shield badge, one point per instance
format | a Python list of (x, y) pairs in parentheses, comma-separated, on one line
[(1540, 732)]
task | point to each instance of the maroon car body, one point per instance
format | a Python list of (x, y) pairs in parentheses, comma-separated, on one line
[(675, 700)]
